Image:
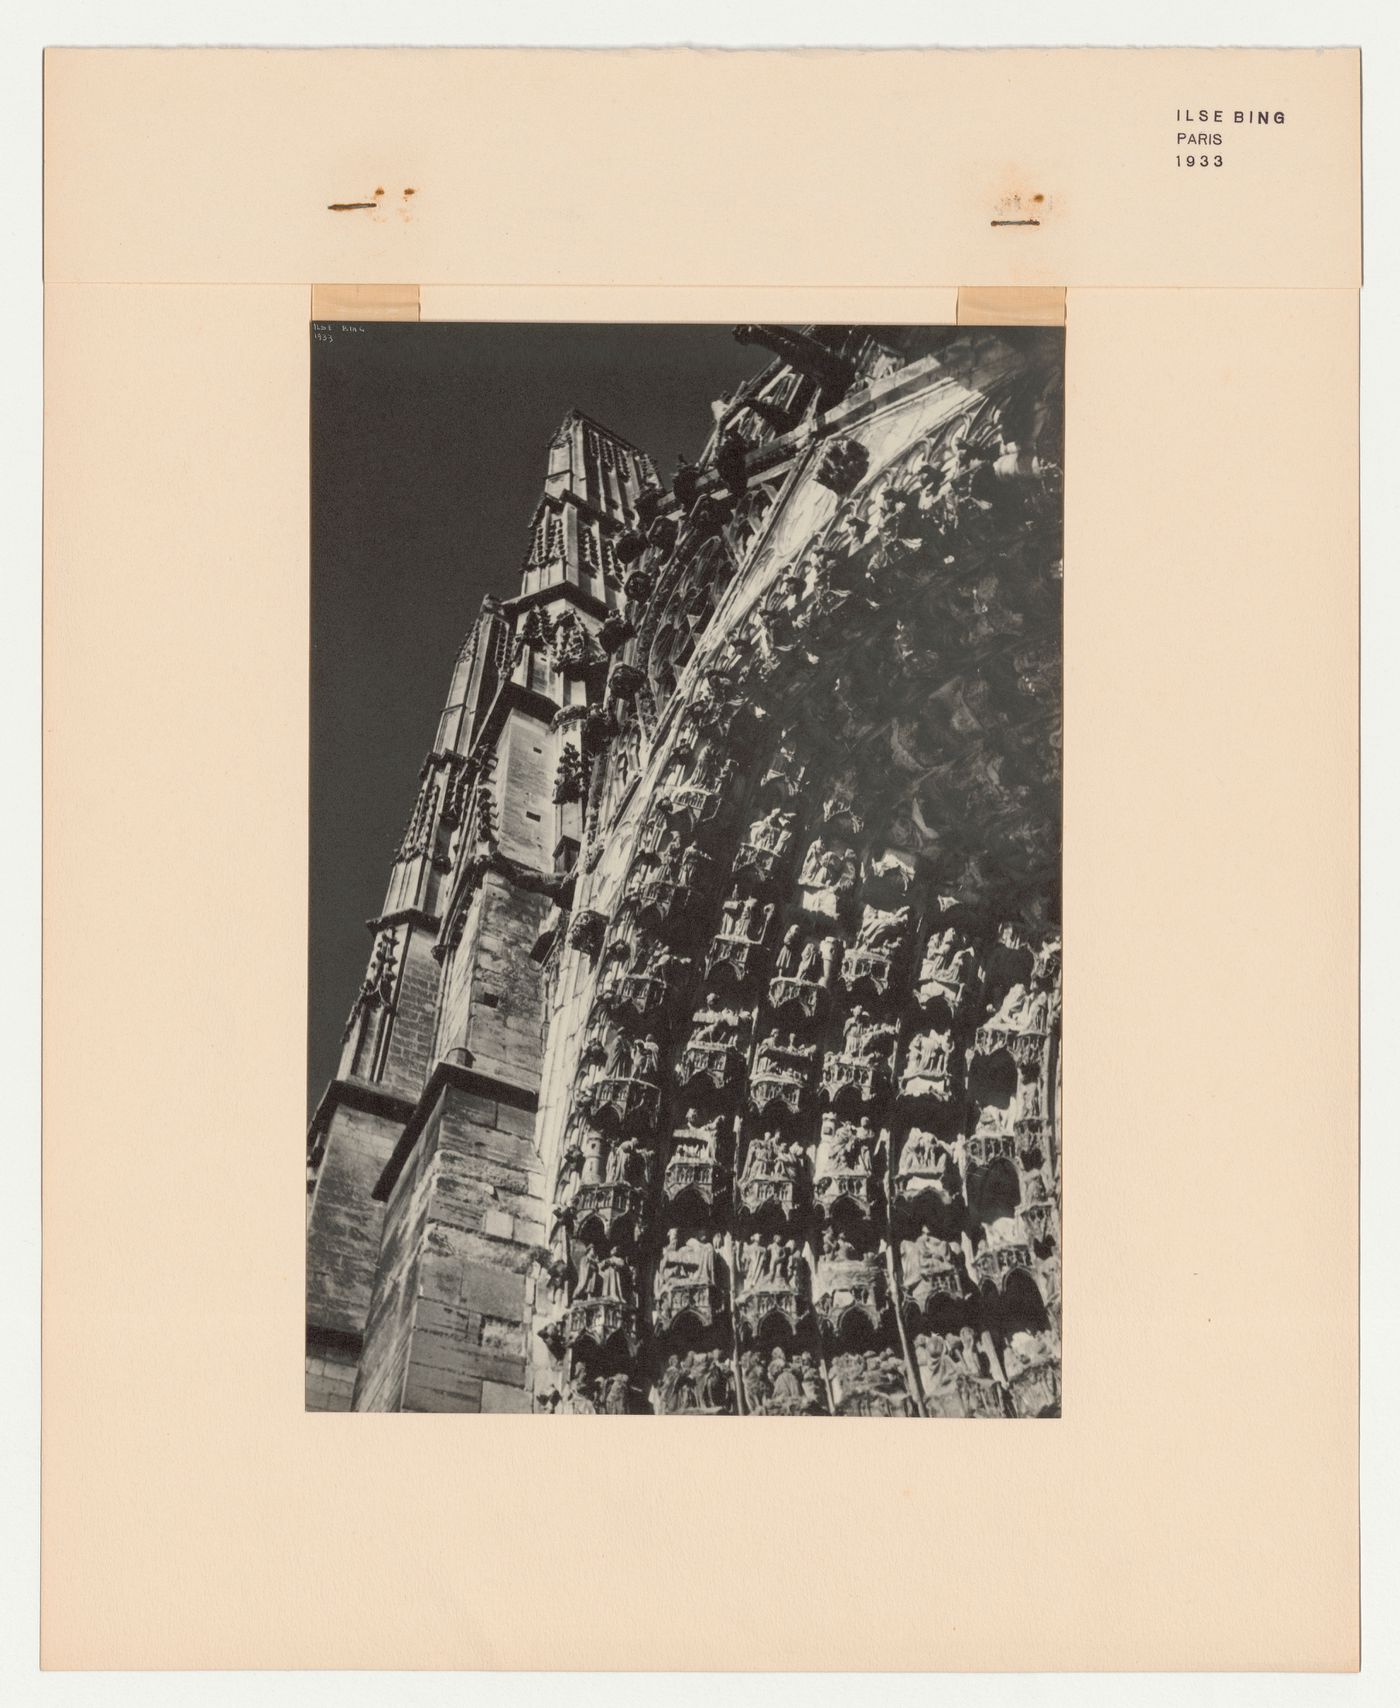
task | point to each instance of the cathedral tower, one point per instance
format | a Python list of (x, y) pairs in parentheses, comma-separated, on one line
[(440, 1061)]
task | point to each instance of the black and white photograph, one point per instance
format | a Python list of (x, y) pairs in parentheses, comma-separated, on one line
[(806, 868), (684, 1030)]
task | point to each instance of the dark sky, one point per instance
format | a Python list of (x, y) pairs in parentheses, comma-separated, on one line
[(428, 447)]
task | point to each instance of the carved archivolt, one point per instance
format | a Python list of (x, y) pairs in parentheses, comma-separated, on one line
[(813, 1161)]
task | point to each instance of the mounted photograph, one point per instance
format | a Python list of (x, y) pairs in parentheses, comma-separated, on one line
[(684, 1029)]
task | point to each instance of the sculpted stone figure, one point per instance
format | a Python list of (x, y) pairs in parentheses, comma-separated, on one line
[(823, 866), (1048, 1271), (615, 1395), (620, 1056), (762, 1159), (855, 1145), (946, 969), (704, 1257), (923, 1258), (669, 1386), (928, 1354), (790, 952), (627, 1162), (871, 1384), (784, 1383), (798, 959), (715, 1389), (782, 1057), (1021, 1010), (615, 1278), (695, 1142), (750, 922), (594, 1061), (854, 1032), (712, 1024), (579, 1399), (589, 1282), (799, 975), (691, 1263), (860, 1069), (973, 1356), (771, 832), (669, 1263), (845, 1147), (836, 1247), (881, 929), (755, 1379), (657, 962), (711, 1050), (828, 874), (917, 1156), (570, 1171), (690, 866), (928, 1068), (1025, 1349), (558, 1282), (791, 1159), (895, 868), (761, 1264), (785, 770), (940, 946), (648, 1060)]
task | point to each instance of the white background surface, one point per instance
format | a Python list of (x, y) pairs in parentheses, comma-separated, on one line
[(735, 23)]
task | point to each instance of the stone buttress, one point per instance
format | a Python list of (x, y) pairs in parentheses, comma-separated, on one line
[(425, 1213)]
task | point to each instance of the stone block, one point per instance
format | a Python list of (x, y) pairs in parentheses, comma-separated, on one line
[(503, 1335), (520, 1122), (425, 1390), (494, 1292), (503, 1397)]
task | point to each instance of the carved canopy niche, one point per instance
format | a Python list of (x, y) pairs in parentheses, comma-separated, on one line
[(848, 868)]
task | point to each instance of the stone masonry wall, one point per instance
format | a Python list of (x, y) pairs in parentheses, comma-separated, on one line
[(389, 1330), (464, 1228), (343, 1235), (526, 770), (409, 1056), (454, 1294), (330, 1382), (505, 1008)]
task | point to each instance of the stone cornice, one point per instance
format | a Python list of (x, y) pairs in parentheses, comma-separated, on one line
[(557, 886), (447, 1075), (362, 1094), (511, 697), (566, 590)]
